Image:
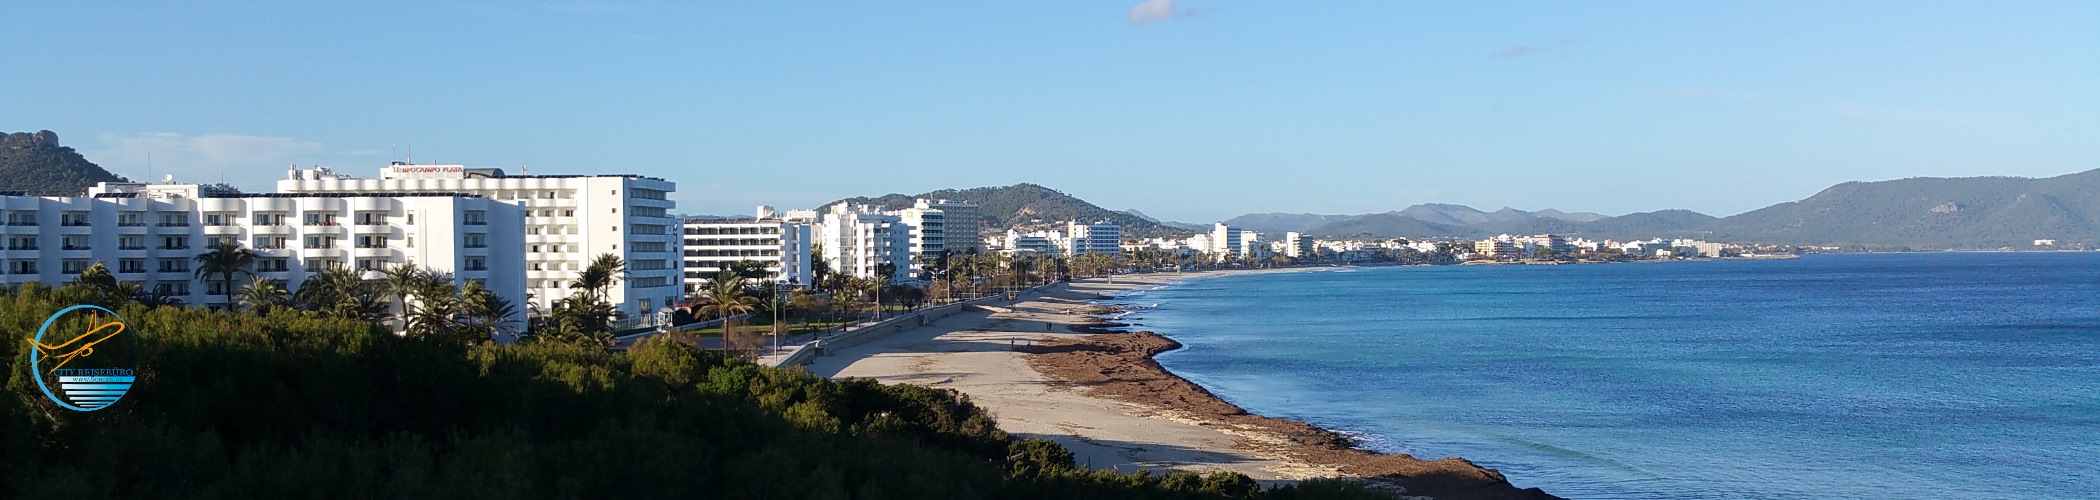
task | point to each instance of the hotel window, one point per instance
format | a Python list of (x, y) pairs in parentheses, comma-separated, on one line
[(409, 241), (320, 242), (477, 240), (568, 213), (477, 264), (74, 243), (129, 219), (131, 243), (73, 266), (22, 267), (371, 242), (174, 265), (131, 266), (214, 287), (215, 241), (475, 218), (269, 242), (73, 219), (269, 219), (174, 242), (371, 264), (271, 265), (411, 218), (172, 289), (175, 220)]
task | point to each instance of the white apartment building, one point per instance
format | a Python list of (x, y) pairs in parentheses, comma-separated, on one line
[(712, 245), (1297, 246), (858, 239), (1224, 239), (1097, 237), (151, 234), (1250, 240), (568, 220)]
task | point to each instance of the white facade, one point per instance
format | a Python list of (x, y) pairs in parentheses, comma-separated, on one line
[(711, 245), (858, 239), (568, 220), (1098, 237), (152, 233), (1297, 246), (1224, 239)]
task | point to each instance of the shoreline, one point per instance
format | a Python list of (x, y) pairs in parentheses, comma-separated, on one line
[(1120, 365), (984, 353)]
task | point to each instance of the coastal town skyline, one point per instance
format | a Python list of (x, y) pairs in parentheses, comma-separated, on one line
[(1416, 103)]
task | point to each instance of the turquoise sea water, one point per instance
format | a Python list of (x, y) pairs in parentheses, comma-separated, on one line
[(1970, 376)]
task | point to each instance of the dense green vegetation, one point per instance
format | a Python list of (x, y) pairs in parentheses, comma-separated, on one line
[(1018, 204), (37, 164), (289, 403)]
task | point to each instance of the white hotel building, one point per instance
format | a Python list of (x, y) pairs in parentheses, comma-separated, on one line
[(567, 221), (151, 234), (857, 239), (714, 244), (1098, 237)]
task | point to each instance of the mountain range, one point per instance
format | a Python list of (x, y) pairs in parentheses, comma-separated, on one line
[(1919, 213), (1027, 205), (1938, 213)]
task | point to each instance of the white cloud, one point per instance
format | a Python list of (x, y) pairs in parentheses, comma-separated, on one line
[(250, 162), (1152, 11)]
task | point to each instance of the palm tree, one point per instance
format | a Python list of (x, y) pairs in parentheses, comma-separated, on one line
[(726, 299), (226, 260), (486, 311), (600, 275), (98, 277), (262, 294), (399, 282)]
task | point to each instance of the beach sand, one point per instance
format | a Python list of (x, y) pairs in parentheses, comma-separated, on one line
[(1043, 371)]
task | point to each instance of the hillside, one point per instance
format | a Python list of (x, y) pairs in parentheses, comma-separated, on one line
[(37, 164), (1435, 213), (1394, 225), (1024, 204), (1279, 223), (1969, 212)]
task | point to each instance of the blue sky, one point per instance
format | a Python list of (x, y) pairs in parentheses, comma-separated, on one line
[(1188, 110)]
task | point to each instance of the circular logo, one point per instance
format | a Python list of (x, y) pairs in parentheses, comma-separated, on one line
[(83, 353)]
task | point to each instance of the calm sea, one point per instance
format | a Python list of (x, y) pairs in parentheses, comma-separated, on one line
[(1971, 376)]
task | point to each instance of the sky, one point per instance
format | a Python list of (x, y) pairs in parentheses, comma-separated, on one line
[(1185, 109)]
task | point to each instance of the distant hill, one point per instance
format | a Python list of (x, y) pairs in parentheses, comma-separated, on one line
[(1394, 225), (1279, 223), (1004, 207), (1435, 213), (1918, 213), (37, 164), (1968, 212)]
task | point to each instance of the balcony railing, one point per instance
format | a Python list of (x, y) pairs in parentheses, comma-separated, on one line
[(77, 247), (174, 224), (21, 247), (131, 247), (74, 223), (130, 224), (324, 223), (167, 247), (371, 245), (21, 223), (22, 271)]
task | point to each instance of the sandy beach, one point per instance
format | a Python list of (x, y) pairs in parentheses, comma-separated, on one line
[(1044, 370)]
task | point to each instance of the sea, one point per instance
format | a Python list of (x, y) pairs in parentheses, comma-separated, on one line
[(1870, 376)]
